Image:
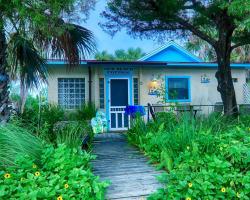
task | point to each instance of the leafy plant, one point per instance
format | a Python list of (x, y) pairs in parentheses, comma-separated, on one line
[(206, 158), (72, 134), (16, 141), (64, 173), (86, 112)]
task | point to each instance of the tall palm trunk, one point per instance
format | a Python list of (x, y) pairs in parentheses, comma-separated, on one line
[(23, 95), (4, 78)]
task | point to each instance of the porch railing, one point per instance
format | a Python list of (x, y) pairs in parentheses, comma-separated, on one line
[(194, 109)]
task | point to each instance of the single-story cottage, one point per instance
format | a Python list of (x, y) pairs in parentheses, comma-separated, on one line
[(112, 85)]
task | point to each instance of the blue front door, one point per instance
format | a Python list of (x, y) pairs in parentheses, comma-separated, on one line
[(119, 99)]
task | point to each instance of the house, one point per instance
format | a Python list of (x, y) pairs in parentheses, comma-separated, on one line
[(112, 85)]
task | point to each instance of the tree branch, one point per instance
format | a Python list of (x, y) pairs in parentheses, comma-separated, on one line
[(240, 44), (196, 31)]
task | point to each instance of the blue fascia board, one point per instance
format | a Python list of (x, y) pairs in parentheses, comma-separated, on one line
[(207, 65), (62, 62), (170, 65)]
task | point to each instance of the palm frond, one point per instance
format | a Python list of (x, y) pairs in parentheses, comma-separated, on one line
[(24, 60), (74, 43)]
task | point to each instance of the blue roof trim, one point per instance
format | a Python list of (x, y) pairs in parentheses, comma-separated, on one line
[(168, 45), (153, 64), (62, 62), (209, 65)]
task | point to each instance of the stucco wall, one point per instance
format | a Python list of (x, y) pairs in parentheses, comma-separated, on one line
[(201, 93), (61, 72)]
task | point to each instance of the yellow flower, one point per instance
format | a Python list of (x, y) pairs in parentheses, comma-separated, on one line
[(60, 197), (22, 179), (7, 175), (34, 166), (188, 147), (188, 198), (223, 190), (66, 186), (190, 185), (37, 174), (238, 194)]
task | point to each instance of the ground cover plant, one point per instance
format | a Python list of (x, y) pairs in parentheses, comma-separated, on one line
[(62, 173), (205, 158), (41, 156)]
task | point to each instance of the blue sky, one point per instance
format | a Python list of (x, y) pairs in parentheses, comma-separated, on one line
[(120, 41)]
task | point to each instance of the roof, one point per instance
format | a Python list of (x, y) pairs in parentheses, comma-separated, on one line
[(170, 55), (149, 64), (171, 52)]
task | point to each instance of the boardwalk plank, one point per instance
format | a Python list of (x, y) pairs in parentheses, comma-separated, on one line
[(132, 178)]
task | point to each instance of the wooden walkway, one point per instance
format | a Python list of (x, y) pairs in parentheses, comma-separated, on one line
[(132, 178)]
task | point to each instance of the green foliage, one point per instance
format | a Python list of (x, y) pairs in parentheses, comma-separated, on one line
[(16, 141), (86, 112), (63, 172), (40, 119), (205, 158), (132, 54), (73, 134)]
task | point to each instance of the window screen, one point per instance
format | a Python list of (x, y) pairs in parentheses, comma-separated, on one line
[(71, 92), (136, 91), (178, 89), (101, 92)]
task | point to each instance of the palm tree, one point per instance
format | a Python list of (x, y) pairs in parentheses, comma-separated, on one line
[(29, 37), (132, 54), (104, 56)]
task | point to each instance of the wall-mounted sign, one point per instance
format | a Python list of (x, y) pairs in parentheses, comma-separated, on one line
[(118, 70), (205, 79)]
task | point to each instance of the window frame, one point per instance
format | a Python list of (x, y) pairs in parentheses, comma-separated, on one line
[(136, 96), (178, 100), (102, 99)]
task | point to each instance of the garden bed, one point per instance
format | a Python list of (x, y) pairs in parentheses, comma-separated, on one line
[(205, 158)]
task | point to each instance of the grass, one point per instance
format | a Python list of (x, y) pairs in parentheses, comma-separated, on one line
[(16, 141)]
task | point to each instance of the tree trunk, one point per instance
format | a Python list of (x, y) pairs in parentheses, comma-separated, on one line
[(23, 95), (224, 77), (4, 78)]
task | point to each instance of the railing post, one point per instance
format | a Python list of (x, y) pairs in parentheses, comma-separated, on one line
[(151, 111), (148, 114)]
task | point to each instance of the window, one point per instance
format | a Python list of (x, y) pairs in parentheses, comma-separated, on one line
[(71, 92), (178, 89), (136, 91), (101, 92)]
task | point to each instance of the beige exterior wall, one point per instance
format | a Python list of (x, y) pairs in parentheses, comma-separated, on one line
[(61, 72), (201, 93)]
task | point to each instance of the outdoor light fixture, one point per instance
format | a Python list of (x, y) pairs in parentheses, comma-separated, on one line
[(153, 87)]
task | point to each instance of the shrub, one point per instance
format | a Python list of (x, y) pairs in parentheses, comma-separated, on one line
[(63, 172), (205, 158), (86, 112), (73, 133), (16, 141), (40, 119)]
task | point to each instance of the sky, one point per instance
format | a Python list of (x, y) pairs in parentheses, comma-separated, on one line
[(121, 40)]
